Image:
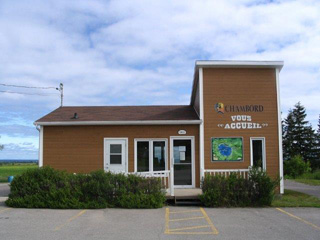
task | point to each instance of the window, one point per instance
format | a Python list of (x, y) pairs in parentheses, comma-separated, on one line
[(257, 152), (115, 154), (150, 155)]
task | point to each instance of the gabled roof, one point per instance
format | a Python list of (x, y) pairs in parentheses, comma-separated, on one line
[(102, 115)]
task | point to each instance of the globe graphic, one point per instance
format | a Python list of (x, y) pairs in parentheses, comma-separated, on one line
[(225, 150)]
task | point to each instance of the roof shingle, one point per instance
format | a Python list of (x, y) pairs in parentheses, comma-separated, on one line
[(121, 113)]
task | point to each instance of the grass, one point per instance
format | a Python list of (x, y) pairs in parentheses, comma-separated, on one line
[(308, 178), (295, 199), (313, 182), (15, 169)]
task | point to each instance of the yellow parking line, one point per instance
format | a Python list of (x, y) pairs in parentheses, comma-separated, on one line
[(300, 219), (189, 228), (167, 221), (4, 210), (191, 233), (70, 219), (181, 230), (186, 211), (214, 230), (184, 219)]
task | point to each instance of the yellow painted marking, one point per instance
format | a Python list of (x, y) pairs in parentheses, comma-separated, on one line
[(186, 211), (181, 230), (300, 219), (184, 219), (70, 219), (4, 210), (214, 230), (167, 221), (191, 233), (188, 228)]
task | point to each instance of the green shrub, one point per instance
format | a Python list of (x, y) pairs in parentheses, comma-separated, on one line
[(49, 188), (235, 191), (296, 166)]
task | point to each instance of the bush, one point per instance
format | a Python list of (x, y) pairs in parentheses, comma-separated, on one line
[(235, 191), (296, 166), (49, 188)]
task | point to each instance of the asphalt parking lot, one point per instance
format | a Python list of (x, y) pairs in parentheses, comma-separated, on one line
[(166, 223)]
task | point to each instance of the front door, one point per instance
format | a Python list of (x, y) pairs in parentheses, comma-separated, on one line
[(115, 155), (182, 152)]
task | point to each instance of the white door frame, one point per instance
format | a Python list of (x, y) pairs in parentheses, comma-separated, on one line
[(192, 159), (126, 154), (264, 160)]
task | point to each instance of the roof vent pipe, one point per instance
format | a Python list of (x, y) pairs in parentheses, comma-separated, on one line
[(75, 116)]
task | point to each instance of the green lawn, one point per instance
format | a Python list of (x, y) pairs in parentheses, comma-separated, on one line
[(314, 182), (295, 199), (7, 170)]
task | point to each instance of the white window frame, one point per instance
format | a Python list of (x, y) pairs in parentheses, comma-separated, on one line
[(264, 160), (150, 140)]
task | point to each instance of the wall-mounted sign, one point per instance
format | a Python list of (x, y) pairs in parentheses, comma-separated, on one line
[(227, 149), (242, 122), (182, 132), (221, 108)]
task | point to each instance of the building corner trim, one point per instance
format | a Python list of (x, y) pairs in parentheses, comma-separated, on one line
[(280, 133), (40, 163), (201, 126)]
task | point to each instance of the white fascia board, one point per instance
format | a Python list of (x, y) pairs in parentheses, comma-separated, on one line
[(239, 64), (82, 123)]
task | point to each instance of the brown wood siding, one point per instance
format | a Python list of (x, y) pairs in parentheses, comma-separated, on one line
[(80, 148), (241, 87)]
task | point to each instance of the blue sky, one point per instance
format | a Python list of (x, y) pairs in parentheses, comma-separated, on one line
[(143, 52)]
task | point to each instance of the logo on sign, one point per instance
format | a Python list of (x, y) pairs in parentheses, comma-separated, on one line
[(219, 107)]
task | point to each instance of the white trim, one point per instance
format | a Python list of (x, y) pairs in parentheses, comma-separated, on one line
[(240, 64), (126, 146), (280, 133), (201, 127), (192, 160), (151, 122), (40, 163), (150, 140), (264, 161)]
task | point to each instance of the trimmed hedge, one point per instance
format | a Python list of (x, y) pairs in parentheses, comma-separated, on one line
[(50, 188), (234, 191)]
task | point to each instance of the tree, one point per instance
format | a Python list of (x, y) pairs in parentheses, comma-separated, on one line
[(299, 138), (1, 146), (319, 126)]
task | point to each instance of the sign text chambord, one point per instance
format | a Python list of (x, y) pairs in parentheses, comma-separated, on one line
[(240, 121)]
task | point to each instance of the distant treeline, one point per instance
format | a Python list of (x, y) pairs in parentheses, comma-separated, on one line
[(18, 161)]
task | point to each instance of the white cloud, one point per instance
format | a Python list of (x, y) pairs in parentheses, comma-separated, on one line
[(143, 52)]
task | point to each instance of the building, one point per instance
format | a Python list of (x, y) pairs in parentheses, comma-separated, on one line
[(232, 123)]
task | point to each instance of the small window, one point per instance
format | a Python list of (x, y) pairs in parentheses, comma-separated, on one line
[(258, 153), (115, 154), (150, 155)]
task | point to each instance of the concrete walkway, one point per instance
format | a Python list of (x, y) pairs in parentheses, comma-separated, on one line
[(304, 188)]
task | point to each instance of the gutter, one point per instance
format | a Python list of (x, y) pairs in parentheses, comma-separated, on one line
[(90, 123)]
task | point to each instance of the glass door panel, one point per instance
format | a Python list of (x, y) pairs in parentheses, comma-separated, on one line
[(182, 163)]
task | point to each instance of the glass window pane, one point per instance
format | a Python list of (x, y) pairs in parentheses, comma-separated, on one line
[(159, 156), (143, 156), (182, 151), (257, 153), (115, 148), (115, 159)]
